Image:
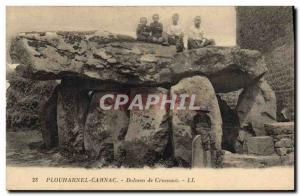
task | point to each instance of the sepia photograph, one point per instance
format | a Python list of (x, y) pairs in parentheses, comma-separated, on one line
[(150, 98)]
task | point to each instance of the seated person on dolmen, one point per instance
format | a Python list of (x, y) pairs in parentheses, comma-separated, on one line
[(196, 36), (143, 31), (175, 34), (156, 30)]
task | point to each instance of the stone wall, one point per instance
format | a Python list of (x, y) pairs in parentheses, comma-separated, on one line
[(283, 137), (270, 30)]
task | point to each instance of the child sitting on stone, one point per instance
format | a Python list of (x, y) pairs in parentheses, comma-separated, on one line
[(143, 31), (156, 30), (176, 33)]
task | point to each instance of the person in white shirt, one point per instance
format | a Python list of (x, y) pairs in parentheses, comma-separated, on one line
[(196, 37), (175, 33)]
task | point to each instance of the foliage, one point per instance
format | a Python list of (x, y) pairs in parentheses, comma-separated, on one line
[(23, 101)]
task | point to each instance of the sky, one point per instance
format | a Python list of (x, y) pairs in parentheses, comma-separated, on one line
[(219, 23)]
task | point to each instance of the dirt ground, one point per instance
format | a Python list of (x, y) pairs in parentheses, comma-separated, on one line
[(24, 149)]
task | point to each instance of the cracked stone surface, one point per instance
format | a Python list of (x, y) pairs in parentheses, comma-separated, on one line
[(104, 130), (148, 132), (184, 121), (119, 58), (257, 107)]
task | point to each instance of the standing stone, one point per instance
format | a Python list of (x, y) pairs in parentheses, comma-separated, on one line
[(148, 132), (231, 125), (257, 106), (104, 130), (48, 116), (261, 145), (72, 106), (270, 29), (183, 120)]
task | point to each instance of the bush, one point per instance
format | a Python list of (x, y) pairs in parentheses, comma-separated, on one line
[(23, 101)]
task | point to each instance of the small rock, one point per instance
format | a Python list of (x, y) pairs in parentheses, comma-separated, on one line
[(281, 151), (136, 50), (112, 60), (240, 145), (285, 142), (289, 150), (279, 128), (102, 54), (279, 137), (99, 66), (261, 145), (243, 135), (227, 152), (148, 58), (288, 159), (288, 114)]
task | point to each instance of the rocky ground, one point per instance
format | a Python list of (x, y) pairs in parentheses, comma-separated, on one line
[(232, 160), (24, 149)]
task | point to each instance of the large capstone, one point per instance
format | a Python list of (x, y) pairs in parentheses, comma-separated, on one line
[(118, 58)]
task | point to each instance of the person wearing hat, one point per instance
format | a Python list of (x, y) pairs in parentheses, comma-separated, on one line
[(196, 37), (143, 31), (176, 33), (202, 126)]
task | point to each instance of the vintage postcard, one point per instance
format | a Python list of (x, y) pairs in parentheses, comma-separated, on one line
[(150, 98)]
